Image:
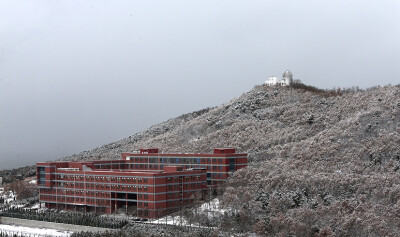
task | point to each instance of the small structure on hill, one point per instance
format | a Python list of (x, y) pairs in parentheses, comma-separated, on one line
[(272, 81), (287, 80)]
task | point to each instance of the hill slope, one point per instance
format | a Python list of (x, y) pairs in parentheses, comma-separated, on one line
[(319, 163), (267, 122)]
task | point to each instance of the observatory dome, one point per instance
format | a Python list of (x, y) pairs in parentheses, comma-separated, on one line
[(287, 74)]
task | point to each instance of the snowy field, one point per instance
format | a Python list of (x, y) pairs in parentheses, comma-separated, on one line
[(32, 232)]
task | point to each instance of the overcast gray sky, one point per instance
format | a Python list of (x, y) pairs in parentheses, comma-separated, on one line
[(75, 75)]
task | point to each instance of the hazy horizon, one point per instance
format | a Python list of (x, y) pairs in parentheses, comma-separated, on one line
[(76, 75)]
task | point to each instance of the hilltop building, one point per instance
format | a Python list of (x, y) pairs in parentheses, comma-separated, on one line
[(287, 79), (272, 81), (144, 184)]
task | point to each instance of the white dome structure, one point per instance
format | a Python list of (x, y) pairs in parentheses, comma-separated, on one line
[(287, 78), (288, 74)]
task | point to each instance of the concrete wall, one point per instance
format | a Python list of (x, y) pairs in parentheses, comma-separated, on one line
[(50, 225)]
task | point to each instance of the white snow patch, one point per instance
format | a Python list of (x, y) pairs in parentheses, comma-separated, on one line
[(211, 209), (28, 231), (36, 206), (9, 197), (171, 220), (212, 205)]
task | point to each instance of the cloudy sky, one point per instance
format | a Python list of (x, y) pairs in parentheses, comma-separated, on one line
[(75, 75)]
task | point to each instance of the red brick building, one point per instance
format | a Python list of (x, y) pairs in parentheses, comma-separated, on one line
[(145, 184), (218, 165)]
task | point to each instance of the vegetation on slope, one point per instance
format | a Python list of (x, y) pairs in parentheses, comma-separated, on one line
[(321, 163)]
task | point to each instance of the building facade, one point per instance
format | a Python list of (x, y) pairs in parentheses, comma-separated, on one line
[(272, 81), (145, 184), (218, 165)]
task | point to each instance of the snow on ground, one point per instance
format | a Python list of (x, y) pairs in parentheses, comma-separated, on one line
[(36, 206), (28, 231), (8, 197), (170, 220), (211, 208)]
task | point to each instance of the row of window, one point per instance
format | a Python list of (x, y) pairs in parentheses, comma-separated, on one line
[(185, 186), (158, 167), (102, 178), (178, 160), (187, 178), (104, 186), (185, 195), (74, 200), (217, 175), (143, 204), (91, 193), (162, 161)]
